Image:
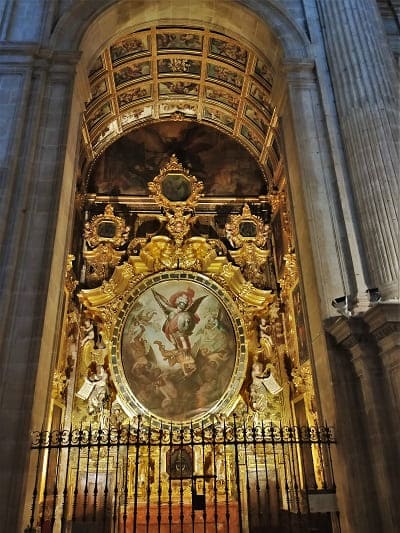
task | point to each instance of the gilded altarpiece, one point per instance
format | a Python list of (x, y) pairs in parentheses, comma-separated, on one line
[(174, 334), (178, 321)]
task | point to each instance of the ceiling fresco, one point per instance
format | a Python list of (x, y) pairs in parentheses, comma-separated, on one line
[(194, 74), (224, 166)]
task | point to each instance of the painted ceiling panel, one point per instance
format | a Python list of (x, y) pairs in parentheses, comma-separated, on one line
[(195, 74)]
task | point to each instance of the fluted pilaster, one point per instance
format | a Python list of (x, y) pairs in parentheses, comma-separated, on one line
[(365, 87), (370, 403), (37, 87)]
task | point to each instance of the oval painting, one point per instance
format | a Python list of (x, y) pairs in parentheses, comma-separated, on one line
[(181, 351)]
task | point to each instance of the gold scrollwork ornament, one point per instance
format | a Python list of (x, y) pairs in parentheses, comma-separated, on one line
[(175, 188), (106, 228), (247, 227)]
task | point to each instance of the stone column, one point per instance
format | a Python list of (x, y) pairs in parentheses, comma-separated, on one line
[(375, 412), (379, 432), (37, 86), (366, 87), (384, 325), (356, 492), (321, 242)]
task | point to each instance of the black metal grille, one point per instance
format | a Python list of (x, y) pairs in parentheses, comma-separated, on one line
[(220, 478)]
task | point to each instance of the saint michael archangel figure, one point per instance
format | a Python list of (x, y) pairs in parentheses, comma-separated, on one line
[(181, 317)]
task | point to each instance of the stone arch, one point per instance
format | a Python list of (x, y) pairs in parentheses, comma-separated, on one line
[(98, 25), (39, 73), (309, 192), (81, 24), (268, 27)]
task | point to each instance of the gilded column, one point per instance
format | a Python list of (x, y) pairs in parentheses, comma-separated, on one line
[(365, 86)]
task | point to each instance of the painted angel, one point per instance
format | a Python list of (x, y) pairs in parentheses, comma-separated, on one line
[(181, 317)]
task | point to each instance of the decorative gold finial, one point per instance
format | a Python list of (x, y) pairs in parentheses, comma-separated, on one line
[(175, 187)]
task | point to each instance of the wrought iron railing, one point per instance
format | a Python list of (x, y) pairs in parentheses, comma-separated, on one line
[(227, 477)]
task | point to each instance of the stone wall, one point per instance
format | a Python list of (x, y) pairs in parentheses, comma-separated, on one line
[(337, 107)]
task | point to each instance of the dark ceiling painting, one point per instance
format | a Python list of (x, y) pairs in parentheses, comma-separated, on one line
[(225, 166)]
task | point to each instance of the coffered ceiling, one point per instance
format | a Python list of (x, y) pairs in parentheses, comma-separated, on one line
[(183, 74)]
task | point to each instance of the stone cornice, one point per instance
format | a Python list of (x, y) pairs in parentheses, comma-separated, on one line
[(354, 337), (376, 333), (340, 330), (378, 316), (384, 324), (30, 54), (299, 72)]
